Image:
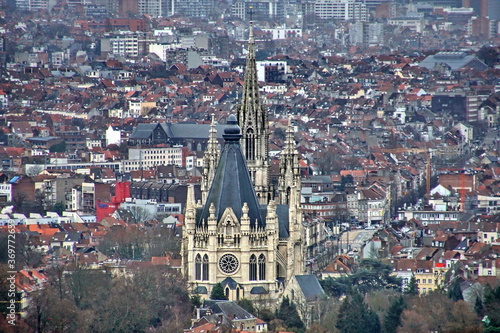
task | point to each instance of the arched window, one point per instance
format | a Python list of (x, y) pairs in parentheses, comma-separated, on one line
[(262, 267), (197, 267), (250, 145), (205, 267), (227, 293), (253, 267)]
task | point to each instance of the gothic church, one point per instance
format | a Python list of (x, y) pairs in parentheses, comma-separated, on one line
[(240, 234)]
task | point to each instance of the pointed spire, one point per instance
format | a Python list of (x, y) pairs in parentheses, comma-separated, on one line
[(251, 40), (210, 159), (253, 120), (289, 140), (212, 138)]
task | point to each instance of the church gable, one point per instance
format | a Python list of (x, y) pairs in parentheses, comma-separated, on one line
[(229, 229)]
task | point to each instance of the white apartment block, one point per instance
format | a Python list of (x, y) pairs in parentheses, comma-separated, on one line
[(263, 66), (343, 10), (134, 108), (160, 49), (284, 33), (415, 24), (124, 43), (146, 158), (35, 5)]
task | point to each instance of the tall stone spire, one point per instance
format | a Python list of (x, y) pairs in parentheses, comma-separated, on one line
[(210, 160), (289, 169), (252, 118)]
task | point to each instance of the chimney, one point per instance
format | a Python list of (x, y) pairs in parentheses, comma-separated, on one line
[(466, 3)]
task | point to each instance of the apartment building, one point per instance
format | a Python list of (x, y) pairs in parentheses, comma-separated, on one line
[(343, 10), (146, 158)]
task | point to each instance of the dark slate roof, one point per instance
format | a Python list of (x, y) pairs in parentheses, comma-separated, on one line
[(191, 131), (258, 291), (178, 130), (229, 282), (462, 246), (73, 236), (143, 131), (232, 186), (455, 60), (229, 309), (310, 286), (282, 211), (42, 139)]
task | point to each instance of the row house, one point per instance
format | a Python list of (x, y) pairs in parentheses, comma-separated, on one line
[(427, 276), (315, 235), (374, 205)]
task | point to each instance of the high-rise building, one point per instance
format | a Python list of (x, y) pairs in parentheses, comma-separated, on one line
[(238, 235), (366, 33), (343, 10), (484, 8), (194, 8), (259, 10)]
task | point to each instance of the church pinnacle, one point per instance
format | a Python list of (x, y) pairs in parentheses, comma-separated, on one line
[(289, 168), (252, 118), (210, 160)]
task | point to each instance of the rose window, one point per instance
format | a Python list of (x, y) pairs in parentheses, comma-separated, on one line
[(228, 263)]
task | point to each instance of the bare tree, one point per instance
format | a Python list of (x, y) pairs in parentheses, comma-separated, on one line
[(140, 214)]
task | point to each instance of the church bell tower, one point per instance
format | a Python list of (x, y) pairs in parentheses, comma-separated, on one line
[(252, 118)]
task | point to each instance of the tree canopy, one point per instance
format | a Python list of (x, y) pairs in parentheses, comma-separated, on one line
[(371, 275), (355, 316), (289, 314), (218, 292)]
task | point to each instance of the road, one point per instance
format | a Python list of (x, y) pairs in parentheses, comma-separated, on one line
[(355, 238)]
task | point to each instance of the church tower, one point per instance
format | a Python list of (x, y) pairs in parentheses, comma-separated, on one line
[(231, 239), (252, 118), (238, 235), (210, 160)]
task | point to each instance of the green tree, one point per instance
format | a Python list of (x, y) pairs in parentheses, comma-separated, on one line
[(289, 314), (371, 275), (412, 288), (58, 148), (455, 292), (196, 301), (218, 292), (492, 304), (392, 317), (489, 55), (355, 316), (247, 305), (58, 208), (266, 315), (479, 307)]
